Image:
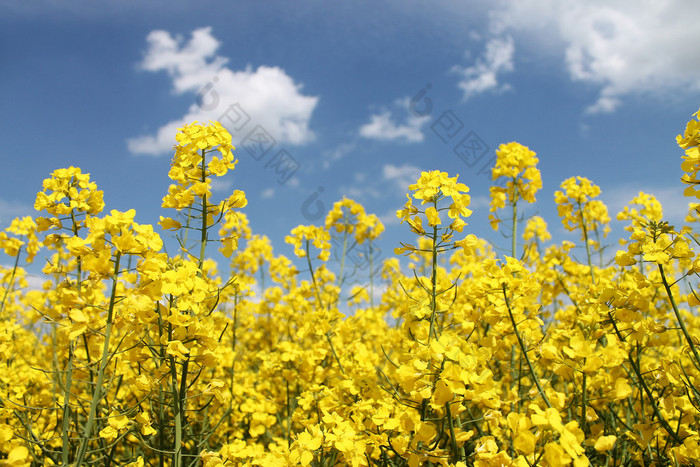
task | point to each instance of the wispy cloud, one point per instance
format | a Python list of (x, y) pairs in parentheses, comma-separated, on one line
[(363, 187), (483, 76), (401, 176), (391, 183), (674, 204), (384, 126), (266, 95), (10, 210), (626, 47), (221, 186), (338, 152)]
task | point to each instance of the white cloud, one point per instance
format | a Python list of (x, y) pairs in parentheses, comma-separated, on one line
[(219, 186), (389, 218), (402, 176), (294, 182), (10, 210), (267, 193), (483, 75), (674, 204), (337, 153), (362, 192), (35, 282), (361, 188), (266, 96), (626, 47), (476, 203), (382, 126), (393, 181)]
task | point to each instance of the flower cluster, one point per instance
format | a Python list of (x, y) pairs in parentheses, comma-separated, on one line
[(519, 165), (190, 169), (304, 235), (69, 191), (193, 173), (130, 355), (349, 217), (690, 142), (578, 209), (435, 188)]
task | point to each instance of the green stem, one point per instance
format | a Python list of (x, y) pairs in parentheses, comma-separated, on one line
[(11, 284), (676, 312), (433, 283), (636, 367), (177, 414), (514, 240), (98, 391), (233, 345), (342, 259), (261, 263), (652, 401), (161, 426), (371, 276), (66, 407), (524, 350), (584, 401), (320, 302), (205, 214), (585, 239), (161, 391), (182, 393), (458, 453)]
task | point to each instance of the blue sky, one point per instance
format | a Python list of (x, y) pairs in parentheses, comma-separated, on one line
[(358, 98)]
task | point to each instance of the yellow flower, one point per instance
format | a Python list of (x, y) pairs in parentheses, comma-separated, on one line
[(306, 443), (578, 209), (304, 235), (433, 216), (555, 455), (177, 349), (519, 165), (69, 190), (525, 442), (690, 141), (468, 244), (605, 443), (190, 168), (434, 184), (18, 456), (116, 424)]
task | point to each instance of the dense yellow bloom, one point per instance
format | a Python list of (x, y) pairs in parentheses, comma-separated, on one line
[(690, 141), (536, 228), (578, 209), (658, 242), (304, 235), (144, 357), (26, 229), (349, 217), (435, 184), (519, 165), (116, 424), (436, 188), (69, 190), (649, 210), (190, 168)]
